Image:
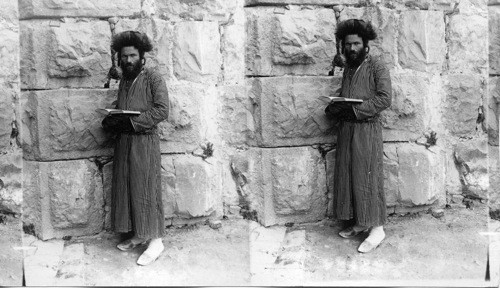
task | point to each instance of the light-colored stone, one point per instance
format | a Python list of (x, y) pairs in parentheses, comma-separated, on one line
[(464, 93), (294, 41), (107, 178), (467, 43), (409, 114), (233, 50), (330, 174), (198, 10), (494, 39), (300, 2), (494, 179), (421, 43), (191, 120), (192, 188), (291, 110), (492, 110), (63, 198), (11, 174), (385, 23), (453, 179), (440, 5), (391, 175), (196, 51), (236, 124), (81, 8), (9, 97), (63, 124), (421, 175), (474, 154), (69, 53)]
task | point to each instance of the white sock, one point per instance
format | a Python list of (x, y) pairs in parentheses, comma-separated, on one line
[(377, 234)]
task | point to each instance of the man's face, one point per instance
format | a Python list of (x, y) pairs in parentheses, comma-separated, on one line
[(354, 49), (130, 61)]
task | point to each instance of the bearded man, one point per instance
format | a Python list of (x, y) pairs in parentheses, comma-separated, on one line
[(358, 176), (136, 195)]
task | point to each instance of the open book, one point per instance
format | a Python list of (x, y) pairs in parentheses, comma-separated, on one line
[(342, 99), (117, 111)]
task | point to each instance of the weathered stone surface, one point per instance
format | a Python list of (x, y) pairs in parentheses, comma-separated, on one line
[(300, 2), (9, 97), (440, 5), (190, 122), (409, 115), (294, 41), (494, 178), (453, 179), (69, 53), (198, 10), (492, 110), (385, 23), (196, 51), (107, 178), (233, 50), (63, 198), (330, 173), (11, 174), (160, 32), (82, 8), (283, 184), (236, 122), (493, 2), (462, 101), (192, 187), (467, 42), (420, 176), (63, 124), (290, 110), (391, 175), (472, 158), (494, 39), (421, 43)]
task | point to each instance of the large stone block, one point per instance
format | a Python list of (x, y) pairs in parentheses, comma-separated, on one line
[(9, 48), (471, 158), (63, 198), (9, 97), (196, 51), (190, 122), (421, 175), (284, 184), (301, 2), (82, 8), (384, 21), (290, 110), (467, 43), (69, 53), (197, 10), (233, 49), (439, 5), (160, 32), (391, 175), (191, 187), (463, 98), (294, 41), (63, 124), (410, 114), (492, 110), (494, 178), (421, 43), (236, 122), (11, 178), (494, 39)]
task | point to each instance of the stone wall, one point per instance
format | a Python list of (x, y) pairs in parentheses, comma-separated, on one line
[(493, 108), (244, 77)]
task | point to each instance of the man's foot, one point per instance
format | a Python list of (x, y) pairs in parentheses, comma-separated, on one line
[(376, 236), (352, 231), (154, 250), (131, 243)]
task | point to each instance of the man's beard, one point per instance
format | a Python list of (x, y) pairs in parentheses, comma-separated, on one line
[(131, 70), (354, 59)]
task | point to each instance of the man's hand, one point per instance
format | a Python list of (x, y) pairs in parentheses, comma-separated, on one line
[(340, 111), (117, 124)]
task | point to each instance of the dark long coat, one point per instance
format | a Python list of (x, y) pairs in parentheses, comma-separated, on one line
[(358, 176), (136, 186)]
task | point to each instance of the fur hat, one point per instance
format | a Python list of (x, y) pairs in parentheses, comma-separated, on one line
[(131, 38), (355, 26)]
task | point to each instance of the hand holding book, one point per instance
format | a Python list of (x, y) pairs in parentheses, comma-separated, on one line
[(109, 111)]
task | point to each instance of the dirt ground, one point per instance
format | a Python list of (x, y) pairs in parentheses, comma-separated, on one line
[(11, 257), (417, 248)]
